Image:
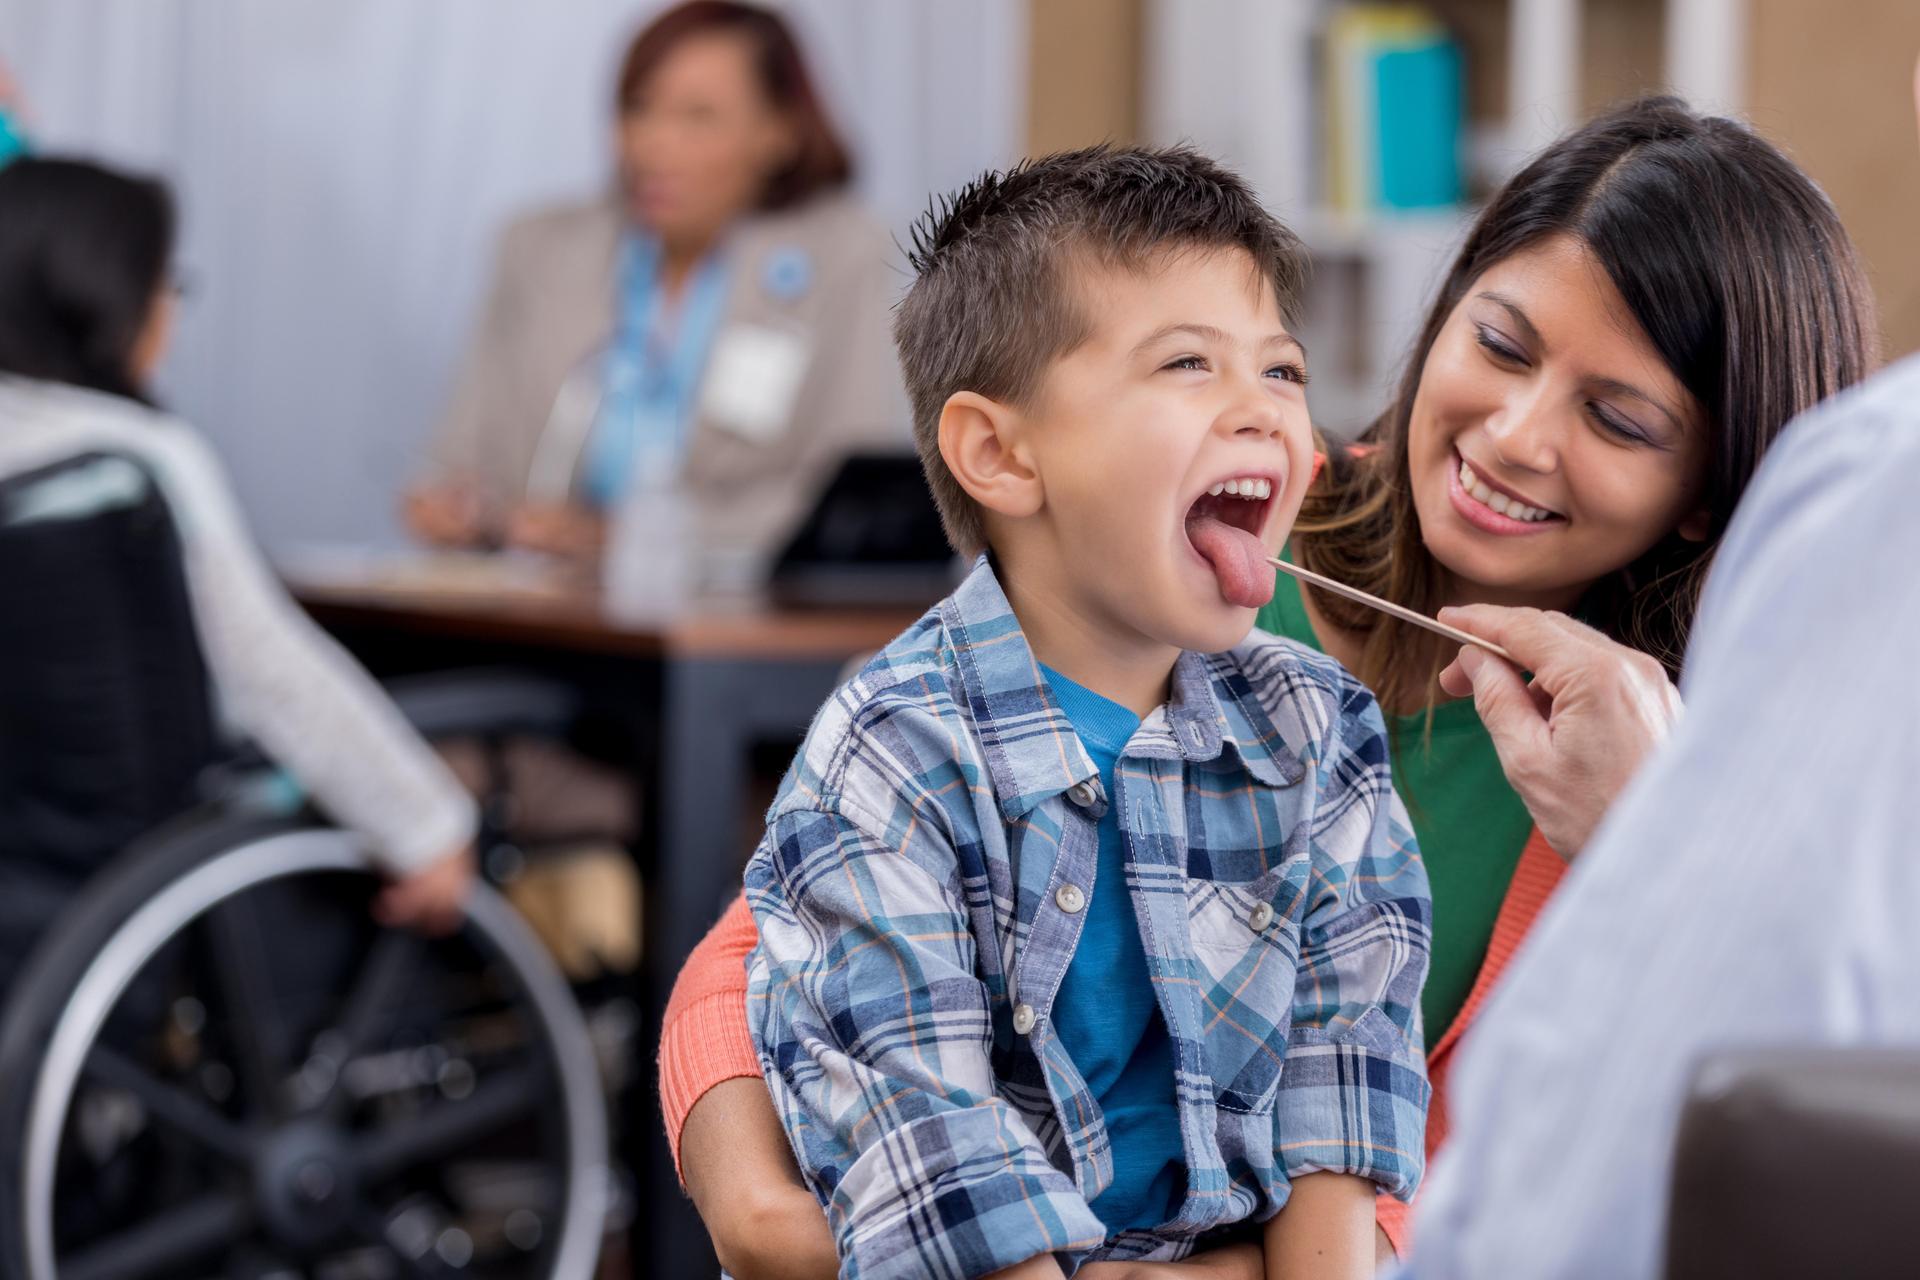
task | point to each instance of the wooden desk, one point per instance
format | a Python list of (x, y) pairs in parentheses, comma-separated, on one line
[(574, 619), (699, 690)]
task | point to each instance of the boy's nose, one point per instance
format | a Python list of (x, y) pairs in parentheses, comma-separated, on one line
[(1255, 414)]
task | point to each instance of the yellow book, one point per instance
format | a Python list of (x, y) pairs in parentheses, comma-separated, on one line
[(1355, 36)]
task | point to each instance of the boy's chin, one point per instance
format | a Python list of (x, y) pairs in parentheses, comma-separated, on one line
[(1215, 628)]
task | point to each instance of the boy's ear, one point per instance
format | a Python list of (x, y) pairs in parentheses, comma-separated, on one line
[(980, 443)]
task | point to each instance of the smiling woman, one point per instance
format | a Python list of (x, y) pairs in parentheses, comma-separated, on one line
[(1629, 325)]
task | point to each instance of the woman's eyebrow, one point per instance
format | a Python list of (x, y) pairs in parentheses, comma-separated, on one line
[(1615, 387), (1519, 316), (1605, 386)]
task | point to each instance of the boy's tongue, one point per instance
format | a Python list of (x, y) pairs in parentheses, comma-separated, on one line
[(1238, 558)]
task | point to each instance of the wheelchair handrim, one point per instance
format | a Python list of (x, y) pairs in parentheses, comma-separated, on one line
[(149, 928)]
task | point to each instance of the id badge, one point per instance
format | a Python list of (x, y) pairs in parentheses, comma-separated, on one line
[(753, 378)]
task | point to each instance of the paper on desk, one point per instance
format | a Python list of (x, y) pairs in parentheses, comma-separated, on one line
[(421, 572)]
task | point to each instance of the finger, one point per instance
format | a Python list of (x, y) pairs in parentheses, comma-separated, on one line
[(1508, 709), (1542, 700), (419, 908), (391, 906), (442, 920), (1494, 621), (1550, 645)]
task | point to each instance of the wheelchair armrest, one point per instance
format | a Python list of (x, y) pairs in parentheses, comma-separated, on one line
[(1795, 1162), (485, 701)]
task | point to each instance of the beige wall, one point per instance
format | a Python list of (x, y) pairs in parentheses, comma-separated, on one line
[(1830, 80), (1083, 77), (1833, 84)]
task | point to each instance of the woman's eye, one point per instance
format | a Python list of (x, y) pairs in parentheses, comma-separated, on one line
[(1290, 372), (1498, 347), (1187, 362), (1614, 425)]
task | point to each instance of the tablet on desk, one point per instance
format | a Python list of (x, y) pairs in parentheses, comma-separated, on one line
[(873, 539)]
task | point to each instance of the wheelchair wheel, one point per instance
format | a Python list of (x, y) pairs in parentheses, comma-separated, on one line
[(217, 1065)]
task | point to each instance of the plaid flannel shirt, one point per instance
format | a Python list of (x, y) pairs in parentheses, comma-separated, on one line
[(914, 927)]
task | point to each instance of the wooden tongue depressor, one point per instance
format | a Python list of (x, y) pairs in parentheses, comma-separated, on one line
[(1375, 602)]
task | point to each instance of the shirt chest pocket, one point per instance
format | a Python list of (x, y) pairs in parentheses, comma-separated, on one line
[(1248, 953)]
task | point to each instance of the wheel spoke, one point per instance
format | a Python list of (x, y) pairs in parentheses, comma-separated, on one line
[(178, 1110), (447, 1126), (166, 1242), (371, 1228), (241, 964), (366, 1006)]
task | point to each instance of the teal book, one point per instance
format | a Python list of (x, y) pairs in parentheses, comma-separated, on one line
[(13, 142), (1418, 119)]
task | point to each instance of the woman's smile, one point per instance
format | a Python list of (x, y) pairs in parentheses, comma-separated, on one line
[(1492, 507)]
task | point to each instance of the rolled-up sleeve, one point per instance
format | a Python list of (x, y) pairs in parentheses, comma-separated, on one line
[(874, 1028), (1353, 1092)]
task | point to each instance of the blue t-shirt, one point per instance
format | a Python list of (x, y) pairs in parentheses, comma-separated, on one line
[(1106, 1014)]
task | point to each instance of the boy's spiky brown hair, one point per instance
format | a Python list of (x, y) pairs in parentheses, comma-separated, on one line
[(994, 298)]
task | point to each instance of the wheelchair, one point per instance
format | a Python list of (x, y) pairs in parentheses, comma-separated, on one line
[(212, 1061)]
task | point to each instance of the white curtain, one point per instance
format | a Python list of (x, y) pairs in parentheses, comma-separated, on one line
[(343, 167)]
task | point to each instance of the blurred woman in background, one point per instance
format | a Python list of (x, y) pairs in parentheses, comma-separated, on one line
[(717, 327), (86, 311)]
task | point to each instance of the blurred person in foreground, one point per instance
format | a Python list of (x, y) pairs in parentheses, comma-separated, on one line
[(86, 313), (714, 327)]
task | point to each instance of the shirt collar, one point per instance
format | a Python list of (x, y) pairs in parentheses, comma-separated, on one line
[(1032, 751)]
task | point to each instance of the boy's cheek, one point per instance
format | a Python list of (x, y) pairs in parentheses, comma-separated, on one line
[(1284, 518)]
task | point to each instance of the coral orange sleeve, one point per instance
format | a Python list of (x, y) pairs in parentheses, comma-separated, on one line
[(704, 1039), (1534, 880)]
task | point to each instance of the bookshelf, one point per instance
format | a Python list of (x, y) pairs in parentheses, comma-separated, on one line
[(1245, 79), (1832, 83)]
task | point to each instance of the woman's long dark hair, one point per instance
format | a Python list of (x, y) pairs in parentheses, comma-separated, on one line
[(1737, 268), (83, 255)]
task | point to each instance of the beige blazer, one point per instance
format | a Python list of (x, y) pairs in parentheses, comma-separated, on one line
[(528, 388)]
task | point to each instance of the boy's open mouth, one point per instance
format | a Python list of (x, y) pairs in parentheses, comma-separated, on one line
[(1224, 525)]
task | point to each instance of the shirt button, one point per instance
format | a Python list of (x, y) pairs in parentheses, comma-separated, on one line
[(1070, 898), (1022, 1018), (1083, 793), (1260, 917)]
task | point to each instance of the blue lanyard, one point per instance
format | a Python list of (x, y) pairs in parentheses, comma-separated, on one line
[(650, 377)]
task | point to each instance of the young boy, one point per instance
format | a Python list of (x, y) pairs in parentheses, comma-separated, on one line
[(1084, 933)]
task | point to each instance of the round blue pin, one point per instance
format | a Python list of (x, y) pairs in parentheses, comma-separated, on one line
[(788, 273)]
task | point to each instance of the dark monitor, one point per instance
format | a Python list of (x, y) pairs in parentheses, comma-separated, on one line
[(872, 539)]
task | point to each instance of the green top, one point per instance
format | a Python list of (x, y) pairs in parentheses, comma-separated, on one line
[(1471, 825)]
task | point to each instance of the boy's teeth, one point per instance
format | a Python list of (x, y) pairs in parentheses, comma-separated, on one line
[(1217, 490), (1248, 488)]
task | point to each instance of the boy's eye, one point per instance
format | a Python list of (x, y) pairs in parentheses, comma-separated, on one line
[(1187, 362), (1290, 371)]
